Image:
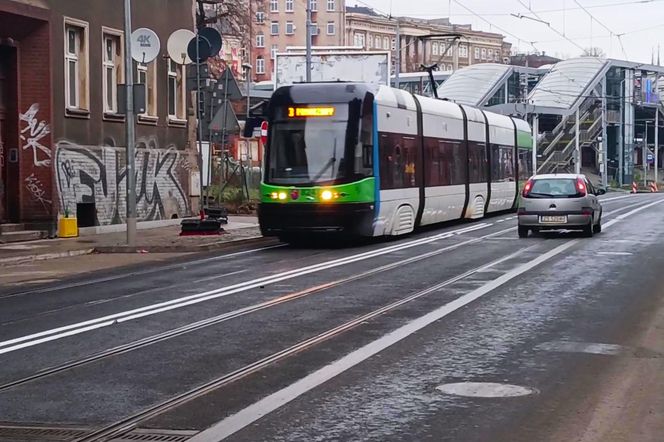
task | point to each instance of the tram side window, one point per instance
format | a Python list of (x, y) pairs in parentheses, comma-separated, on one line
[(502, 163), (477, 162), (445, 163), (398, 158), (366, 139), (525, 164)]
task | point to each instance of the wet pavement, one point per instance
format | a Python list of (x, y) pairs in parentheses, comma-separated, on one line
[(461, 332)]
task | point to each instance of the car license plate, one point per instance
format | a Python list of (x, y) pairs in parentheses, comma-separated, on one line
[(553, 219)]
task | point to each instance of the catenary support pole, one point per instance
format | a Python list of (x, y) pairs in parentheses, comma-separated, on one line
[(535, 135), (577, 165), (130, 128), (308, 36)]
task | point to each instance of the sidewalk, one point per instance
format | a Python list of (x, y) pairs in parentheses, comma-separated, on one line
[(154, 240)]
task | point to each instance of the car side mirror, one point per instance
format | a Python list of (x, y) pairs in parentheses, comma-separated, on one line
[(601, 191)]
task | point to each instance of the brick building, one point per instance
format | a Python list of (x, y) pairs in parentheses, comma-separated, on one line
[(278, 24), (61, 131)]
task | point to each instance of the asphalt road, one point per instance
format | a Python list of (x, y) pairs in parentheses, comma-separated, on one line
[(463, 332)]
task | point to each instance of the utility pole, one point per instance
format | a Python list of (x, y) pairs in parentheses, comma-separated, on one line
[(577, 167), (645, 157), (397, 65), (131, 136), (308, 64), (656, 143), (199, 25)]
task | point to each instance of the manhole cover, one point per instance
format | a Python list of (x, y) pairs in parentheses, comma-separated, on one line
[(156, 436), (485, 390), (44, 434)]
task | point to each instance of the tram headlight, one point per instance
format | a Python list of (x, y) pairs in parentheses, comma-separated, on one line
[(283, 195), (274, 195), (326, 195)]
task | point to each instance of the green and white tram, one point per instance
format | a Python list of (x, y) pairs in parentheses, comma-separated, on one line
[(371, 161)]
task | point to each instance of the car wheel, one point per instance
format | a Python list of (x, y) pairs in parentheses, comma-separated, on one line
[(597, 228), (523, 232), (589, 230)]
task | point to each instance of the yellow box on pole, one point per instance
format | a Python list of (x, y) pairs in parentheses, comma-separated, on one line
[(68, 227)]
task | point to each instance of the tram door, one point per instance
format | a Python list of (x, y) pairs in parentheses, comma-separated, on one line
[(9, 153)]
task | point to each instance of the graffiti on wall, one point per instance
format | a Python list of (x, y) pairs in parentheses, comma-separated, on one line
[(36, 189), (32, 135), (98, 175)]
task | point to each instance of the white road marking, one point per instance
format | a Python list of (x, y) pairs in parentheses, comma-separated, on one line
[(252, 413), (615, 253), (485, 390), (581, 347), (274, 401), (105, 321)]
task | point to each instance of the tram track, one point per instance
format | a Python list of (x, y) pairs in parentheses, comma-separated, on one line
[(130, 422), (218, 319), (238, 313)]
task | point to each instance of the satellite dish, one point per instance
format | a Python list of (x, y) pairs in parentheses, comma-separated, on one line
[(145, 45), (199, 49), (177, 46), (214, 37)]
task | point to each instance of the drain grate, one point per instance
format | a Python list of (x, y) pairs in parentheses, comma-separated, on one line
[(156, 436), (43, 434)]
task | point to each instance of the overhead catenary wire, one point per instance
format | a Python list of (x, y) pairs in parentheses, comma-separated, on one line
[(592, 17), (528, 7), (494, 25)]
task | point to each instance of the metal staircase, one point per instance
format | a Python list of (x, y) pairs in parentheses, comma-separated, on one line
[(560, 144)]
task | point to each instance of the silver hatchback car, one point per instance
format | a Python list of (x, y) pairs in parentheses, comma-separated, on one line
[(560, 202)]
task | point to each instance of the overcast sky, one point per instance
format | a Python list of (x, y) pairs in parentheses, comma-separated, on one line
[(640, 21)]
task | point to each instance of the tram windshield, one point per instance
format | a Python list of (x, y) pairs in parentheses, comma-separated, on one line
[(310, 146)]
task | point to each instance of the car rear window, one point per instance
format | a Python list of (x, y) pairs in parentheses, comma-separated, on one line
[(553, 188)]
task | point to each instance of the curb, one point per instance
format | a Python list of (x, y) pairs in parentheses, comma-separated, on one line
[(45, 256), (221, 245)]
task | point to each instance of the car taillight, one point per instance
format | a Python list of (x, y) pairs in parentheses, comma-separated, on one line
[(527, 188), (587, 211), (581, 187)]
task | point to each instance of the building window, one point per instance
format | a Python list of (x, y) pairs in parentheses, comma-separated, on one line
[(274, 5), (490, 54), (386, 42), (147, 74), (314, 29), (76, 65), (289, 5), (331, 5), (290, 29), (434, 48), (274, 28), (112, 66), (260, 40), (483, 53), (260, 17), (477, 53), (273, 51), (331, 28), (313, 5), (260, 65), (463, 51), (370, 41), (176, 91), (359, 40)]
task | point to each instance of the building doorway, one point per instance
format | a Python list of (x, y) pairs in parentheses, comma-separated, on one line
[(9, 148)]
